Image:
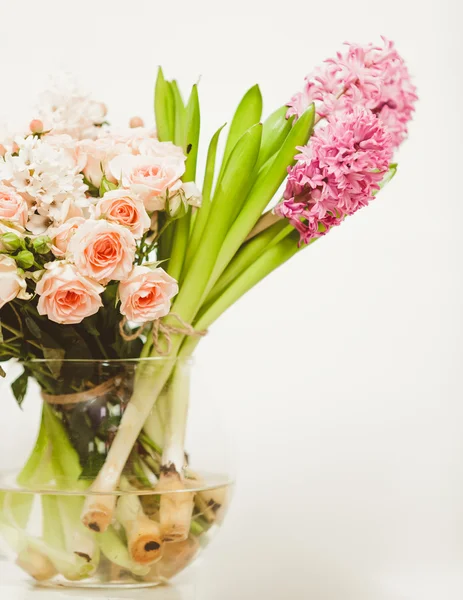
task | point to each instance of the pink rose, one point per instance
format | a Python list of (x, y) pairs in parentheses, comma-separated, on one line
[(66, 296), (153, 147), (149, 177), (146, 294), (118, 206), (12, 284), (103, 250), (62, 235), (13, 207)]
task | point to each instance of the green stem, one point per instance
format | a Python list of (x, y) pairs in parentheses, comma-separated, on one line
[(100, 346)]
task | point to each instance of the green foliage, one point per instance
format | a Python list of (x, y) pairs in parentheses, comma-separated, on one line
[(19, 387), (192, 127), (164, 108), (275, 131), (180, 116), (106, 186), (247, 114)]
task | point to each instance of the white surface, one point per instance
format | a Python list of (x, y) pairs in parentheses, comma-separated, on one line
[(341, 374)]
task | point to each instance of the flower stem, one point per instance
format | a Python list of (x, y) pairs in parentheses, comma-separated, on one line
[(175, 509), (247, 255), (267, 220)]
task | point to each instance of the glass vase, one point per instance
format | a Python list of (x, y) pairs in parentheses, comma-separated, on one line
[(119, 488)]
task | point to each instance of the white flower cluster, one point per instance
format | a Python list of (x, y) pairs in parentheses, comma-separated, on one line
[(66, 109), (43, 174)]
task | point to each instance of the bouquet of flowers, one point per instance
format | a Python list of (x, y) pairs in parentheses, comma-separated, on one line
[(110, 252)]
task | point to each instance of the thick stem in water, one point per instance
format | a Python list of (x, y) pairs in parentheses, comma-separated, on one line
[(116, 551), (175, 508), (144, 539), (36, 564), (211, 503), (176, 557)]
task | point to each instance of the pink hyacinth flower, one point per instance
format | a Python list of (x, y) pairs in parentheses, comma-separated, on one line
[(373, 77)]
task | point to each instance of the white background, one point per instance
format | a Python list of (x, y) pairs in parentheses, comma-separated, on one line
[(340, 376)]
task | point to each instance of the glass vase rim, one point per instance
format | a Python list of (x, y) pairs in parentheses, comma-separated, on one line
[(103, 361)]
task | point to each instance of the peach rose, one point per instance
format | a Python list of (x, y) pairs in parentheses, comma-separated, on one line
[(118, 206), (103, 250), (13, 207), (61, 236), (149, 177), (12, 284), (66, 296), (146, 294)]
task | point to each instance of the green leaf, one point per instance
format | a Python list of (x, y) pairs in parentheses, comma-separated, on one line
[(192, 127), (210, 168), (90, 325), (2, 372), (56, 357), (203, 211), (276, 130), (247, 114), (106, 186), (63, 452), (164, 109), (33, 327), (92, 465), (92, 189), (19, 387), (182, 226), (180, 116)]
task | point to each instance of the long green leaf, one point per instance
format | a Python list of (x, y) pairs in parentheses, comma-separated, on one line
[(182, 225), (192, 127), (164, 109), (203, 212), (276, 130), (247, 114), (265, 187), (180, 116)]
